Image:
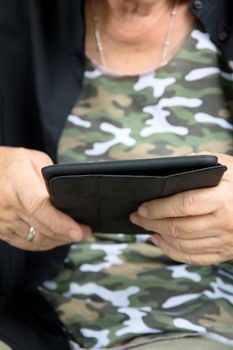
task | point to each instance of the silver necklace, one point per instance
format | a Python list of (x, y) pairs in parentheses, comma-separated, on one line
[(98, 40), (166, 44)]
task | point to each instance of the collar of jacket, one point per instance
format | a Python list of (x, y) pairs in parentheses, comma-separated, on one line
[(216, 17)]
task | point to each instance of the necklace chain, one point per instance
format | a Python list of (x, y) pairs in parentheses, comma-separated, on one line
[(166, 44), (100, 47)]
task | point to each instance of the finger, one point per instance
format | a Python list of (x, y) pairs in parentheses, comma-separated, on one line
[(63, 239), (15, 227), (50, 221), (188, 203), (35, 206), (8, 231), (186, 227), (40, 243), (193, 259), (46, 242), (20, 228), (210, 245), (18, 238)]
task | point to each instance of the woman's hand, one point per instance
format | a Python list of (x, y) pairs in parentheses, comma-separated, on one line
[(24, 202), (195, 227)]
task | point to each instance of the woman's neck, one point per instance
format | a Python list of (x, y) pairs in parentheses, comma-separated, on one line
[(132, 23), (133, 7), (133, 32)]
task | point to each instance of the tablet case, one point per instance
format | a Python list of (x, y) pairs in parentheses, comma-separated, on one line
[(103, 194)]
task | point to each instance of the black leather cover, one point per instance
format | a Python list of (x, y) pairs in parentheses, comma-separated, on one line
[(103, 194)]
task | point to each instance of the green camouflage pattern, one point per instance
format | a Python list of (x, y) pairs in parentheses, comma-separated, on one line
[(116, 289), (108, 293), (4, 346), (183, 107)]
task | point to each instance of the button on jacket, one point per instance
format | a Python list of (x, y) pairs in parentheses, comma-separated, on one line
[(41, 72)]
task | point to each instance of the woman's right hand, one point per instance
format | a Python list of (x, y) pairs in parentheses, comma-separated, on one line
[(24, 202)]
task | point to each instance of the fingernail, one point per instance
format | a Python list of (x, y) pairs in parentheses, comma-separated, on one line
[(156, 239), (76, 235), (133, 218), (88, 231), (142, 211)]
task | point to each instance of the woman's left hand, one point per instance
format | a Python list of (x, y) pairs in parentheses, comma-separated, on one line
[(194, 227)]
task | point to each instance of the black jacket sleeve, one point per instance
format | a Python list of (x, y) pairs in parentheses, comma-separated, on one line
[(216, 17), (41, 69)]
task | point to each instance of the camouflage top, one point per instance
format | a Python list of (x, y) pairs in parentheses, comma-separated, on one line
[(183, 107), (114, 290)]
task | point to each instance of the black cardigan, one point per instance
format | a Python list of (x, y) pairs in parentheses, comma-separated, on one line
[(41, 72)]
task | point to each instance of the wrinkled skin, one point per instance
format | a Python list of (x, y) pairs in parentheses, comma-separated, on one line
[(195, 227), (24, 202)]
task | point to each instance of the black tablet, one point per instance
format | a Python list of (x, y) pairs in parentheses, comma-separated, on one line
[(103, 194)]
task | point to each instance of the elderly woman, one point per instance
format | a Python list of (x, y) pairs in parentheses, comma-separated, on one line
[(114, 79)]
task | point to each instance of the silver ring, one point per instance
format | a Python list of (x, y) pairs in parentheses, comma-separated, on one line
[(31, 234)]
